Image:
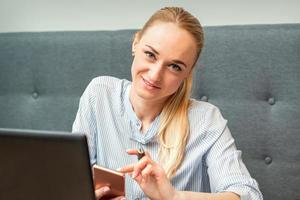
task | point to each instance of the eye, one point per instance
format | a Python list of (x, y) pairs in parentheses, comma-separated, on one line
[(176, 67), (150, 55)]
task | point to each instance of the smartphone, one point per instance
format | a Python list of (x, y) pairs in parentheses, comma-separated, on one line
[(107, 177)]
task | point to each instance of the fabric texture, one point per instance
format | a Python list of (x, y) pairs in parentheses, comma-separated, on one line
[(106, 116)]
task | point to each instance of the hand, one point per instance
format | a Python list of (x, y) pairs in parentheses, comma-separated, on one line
[(150, 176), (99, 193)]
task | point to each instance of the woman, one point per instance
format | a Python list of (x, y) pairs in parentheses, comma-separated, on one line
[(190, 153)]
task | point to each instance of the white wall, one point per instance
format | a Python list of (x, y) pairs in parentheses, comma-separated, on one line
[(51, 15)]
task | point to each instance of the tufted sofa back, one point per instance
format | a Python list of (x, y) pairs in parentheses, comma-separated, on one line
[(252, 73)]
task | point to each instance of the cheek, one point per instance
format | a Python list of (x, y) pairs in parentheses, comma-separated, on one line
[(134, 68), (137, 66), (174, 84)]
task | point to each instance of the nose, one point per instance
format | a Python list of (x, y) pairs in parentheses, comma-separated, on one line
[(156, 72)]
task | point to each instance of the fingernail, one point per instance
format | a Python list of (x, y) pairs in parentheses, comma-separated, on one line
[(133, 175), (119, 169)]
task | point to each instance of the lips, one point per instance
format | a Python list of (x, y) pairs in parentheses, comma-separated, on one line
[(150, 84)]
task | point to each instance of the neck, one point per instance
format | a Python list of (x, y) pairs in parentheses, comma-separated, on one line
[(146, 110)]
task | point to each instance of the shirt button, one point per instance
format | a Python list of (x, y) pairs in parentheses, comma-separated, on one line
[(271, 101), (204, 98), (268, 160), (35, 95)]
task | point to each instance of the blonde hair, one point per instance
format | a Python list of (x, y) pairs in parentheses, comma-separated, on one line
[(174, 129)]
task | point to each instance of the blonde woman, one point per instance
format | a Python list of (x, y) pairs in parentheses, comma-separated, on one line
[(190, 153)]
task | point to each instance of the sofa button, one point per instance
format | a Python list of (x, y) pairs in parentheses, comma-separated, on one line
[(204, 98), (268, 160), (271, 101), (35, 95)]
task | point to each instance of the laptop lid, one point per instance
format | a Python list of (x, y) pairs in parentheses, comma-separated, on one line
[(44, 165)]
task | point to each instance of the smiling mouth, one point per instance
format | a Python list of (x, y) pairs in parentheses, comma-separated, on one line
[(150, 84)]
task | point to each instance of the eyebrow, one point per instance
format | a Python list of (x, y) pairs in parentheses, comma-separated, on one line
[(175, 61), (180, 62), (156, 52)]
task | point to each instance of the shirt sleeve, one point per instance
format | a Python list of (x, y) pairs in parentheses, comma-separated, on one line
[(225, 167), (85, 121)]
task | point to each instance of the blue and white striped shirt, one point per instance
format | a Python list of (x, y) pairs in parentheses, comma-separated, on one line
[(211, 164)]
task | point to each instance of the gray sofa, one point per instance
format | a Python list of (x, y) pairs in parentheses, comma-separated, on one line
[(252, 73)]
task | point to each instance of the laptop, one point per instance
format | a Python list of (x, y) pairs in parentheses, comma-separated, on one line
[(44, 165)]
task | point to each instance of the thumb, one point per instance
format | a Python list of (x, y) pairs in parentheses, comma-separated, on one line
[(100, 192)]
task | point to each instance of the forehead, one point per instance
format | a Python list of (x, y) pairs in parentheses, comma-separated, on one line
[(170, 40)]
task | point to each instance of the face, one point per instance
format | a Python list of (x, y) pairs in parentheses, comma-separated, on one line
[(164, 56)]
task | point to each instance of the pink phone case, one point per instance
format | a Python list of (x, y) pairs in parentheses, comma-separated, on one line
[(113, 179)]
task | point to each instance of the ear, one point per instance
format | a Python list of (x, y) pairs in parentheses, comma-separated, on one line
[(136, 40)]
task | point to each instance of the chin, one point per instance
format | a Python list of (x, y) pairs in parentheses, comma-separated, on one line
[(147, 95)]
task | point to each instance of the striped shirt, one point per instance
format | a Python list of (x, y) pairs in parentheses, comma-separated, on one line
[(211, 164)]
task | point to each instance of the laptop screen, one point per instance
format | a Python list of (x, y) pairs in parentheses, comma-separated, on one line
[(44, 165)]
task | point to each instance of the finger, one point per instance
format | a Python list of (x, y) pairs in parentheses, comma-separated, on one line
[(136, 152), (132, 151), (131, 168), (101, 192), (127, 169), (147, 171), (119, 198), (138, 178), (145, 174), (140, 153), (139, 167)]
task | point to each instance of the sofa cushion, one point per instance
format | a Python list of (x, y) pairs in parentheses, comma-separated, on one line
[(252, 73)]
